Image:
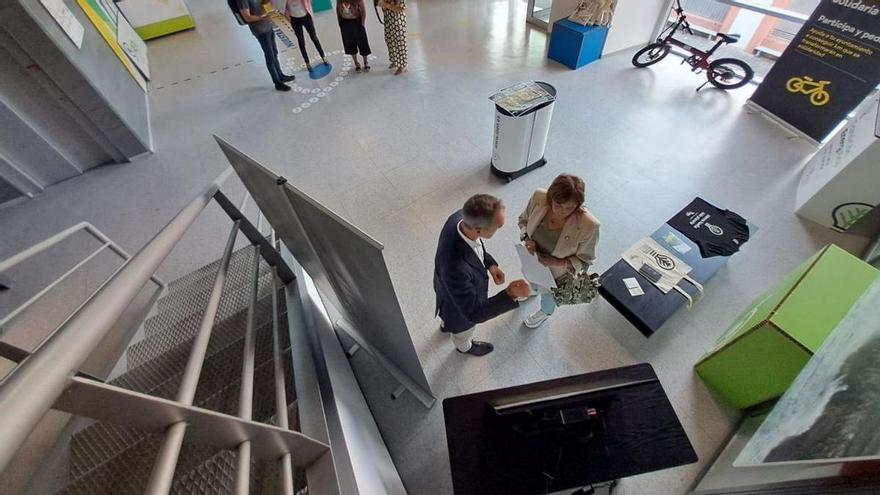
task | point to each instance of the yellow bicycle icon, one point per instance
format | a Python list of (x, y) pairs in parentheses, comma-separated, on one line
[(806, 85)]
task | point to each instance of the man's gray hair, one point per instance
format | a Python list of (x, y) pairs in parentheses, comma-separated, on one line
[(480, 210)]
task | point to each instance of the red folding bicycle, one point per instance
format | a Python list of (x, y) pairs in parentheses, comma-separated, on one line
[(724, 73)]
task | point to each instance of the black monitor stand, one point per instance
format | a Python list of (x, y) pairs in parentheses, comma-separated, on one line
[(569, 435)]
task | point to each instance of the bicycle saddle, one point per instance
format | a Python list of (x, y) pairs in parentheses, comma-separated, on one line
[(729, 38)]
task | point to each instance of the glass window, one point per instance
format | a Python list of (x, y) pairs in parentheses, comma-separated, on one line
[(766, 27), (539, 12)]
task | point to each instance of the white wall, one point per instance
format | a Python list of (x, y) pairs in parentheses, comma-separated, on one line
[(561, 9), (634, 24)]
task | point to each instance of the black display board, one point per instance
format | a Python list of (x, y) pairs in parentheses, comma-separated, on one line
[(828, 69), (541, 444)]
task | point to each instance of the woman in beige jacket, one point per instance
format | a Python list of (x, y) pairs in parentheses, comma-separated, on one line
[(561, 232)]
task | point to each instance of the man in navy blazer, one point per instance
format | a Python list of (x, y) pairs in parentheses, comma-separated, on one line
[(461, 273)]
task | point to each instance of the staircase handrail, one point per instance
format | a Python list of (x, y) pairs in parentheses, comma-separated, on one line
[(32, 387)]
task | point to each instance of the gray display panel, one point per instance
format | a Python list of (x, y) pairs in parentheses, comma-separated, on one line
[(346, 264)]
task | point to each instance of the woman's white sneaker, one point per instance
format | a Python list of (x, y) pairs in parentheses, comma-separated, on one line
[(536, 319)]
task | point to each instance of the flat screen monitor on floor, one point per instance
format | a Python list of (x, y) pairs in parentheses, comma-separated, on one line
[(563, 434)]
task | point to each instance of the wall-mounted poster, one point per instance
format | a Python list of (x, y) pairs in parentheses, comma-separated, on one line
[(829, 67), (133, 45), (66, 20), (104, 16), (830, 412)]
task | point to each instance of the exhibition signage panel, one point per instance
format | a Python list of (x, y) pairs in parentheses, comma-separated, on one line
[(347, 266), (66, 20), (762, 353), (104, 15), (841, 182), (134, 45), (827, 70), (283, 29), (154, 18)]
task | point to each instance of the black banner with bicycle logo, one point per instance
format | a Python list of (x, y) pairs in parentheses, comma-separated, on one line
[(831, 65)]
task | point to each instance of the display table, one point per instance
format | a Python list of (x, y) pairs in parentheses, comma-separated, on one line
[(650, 311), (506, 441)]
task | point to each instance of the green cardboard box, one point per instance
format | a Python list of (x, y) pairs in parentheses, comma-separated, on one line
[(762, 353)]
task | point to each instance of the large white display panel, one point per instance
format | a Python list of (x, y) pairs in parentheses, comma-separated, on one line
[(841, 182)]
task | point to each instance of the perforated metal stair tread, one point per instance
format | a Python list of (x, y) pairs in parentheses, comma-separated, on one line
[(235, 319), (220, 370), (109, 459), (176, 307), (145, 377), (128, 468), (239, 256)]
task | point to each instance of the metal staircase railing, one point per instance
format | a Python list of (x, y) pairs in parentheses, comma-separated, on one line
[(106, 243), (48, 378)]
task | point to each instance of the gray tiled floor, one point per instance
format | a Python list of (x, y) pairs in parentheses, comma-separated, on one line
[(396, 155)]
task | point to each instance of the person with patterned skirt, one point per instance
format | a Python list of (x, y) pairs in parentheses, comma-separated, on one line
[(395, 33)]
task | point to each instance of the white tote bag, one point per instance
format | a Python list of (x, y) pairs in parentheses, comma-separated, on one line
[(669, 269)]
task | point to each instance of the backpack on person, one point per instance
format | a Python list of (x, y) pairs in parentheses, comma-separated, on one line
[(233, 6), (348, 9)]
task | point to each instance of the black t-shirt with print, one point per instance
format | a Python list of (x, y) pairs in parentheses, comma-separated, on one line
[(717, 232)]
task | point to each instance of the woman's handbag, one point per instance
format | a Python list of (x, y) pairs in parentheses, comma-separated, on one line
[(576, 288)]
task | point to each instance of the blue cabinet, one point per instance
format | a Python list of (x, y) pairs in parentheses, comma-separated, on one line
[(574, 45)]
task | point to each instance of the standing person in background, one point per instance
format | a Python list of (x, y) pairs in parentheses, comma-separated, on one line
[(562, 233), (254, 15), (301, 16), (352, 24), (395, 33), (461, 274)]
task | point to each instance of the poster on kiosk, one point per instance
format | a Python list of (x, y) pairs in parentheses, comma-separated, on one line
[(828, 69), (841, 182)]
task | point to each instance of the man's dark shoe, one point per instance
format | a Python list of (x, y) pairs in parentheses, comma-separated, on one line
[(282, 87), (479, 348), (289, 78)]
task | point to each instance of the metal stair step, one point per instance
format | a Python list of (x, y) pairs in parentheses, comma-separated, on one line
[(175, 307), (235, 296), (183, 331), (240, 257), (127, 471), (149, 375), (96, 442)]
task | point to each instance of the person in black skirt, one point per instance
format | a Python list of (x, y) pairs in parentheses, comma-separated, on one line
[(352, 16)]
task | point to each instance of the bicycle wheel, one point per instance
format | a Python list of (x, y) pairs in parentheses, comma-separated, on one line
[(650, 55), (729, 73), (820, 98)]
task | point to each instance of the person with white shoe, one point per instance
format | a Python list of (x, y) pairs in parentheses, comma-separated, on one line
[(558, 229), (462, 268)]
